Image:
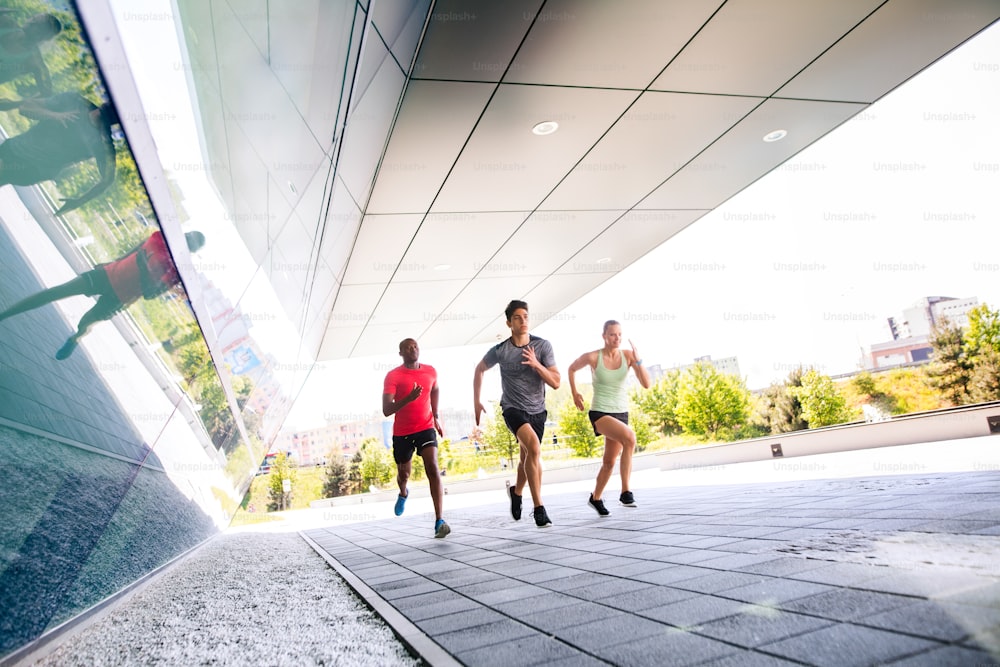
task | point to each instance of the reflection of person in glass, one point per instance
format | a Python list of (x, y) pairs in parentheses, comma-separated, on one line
[(19, 52), (70, 129), (145, 272)]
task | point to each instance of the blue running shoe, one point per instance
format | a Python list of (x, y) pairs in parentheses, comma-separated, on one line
[(441, 528), (401, 503)]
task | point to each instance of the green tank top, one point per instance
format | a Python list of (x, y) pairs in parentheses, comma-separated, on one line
[(609, 386)]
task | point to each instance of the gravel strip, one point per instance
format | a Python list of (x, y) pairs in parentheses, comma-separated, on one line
[(242, 599)]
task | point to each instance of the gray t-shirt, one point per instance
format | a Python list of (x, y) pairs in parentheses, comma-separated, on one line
[(523, 388)]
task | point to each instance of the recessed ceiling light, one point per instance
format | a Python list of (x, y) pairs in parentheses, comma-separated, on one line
[(442, 267), (545, 127), (604, 260), (291, 186), (775, 135)]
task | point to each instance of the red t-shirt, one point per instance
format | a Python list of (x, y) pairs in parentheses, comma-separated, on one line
[(416, 416), (123, 274)]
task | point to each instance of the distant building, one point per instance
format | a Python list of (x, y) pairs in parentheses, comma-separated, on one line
[(727, 365), (911, 334), (317, 445)]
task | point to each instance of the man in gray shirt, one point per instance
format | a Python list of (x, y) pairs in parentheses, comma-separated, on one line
[(527, 364)]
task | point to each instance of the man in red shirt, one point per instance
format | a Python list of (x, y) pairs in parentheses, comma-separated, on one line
[(410, 392), (145, 272)]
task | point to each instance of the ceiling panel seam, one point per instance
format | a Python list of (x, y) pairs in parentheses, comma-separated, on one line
[(458, 156)]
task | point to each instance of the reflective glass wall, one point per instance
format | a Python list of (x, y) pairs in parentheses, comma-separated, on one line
[(120, 445)]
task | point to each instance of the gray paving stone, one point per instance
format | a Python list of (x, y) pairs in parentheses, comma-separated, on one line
[(611, 587), (719, 581), (782, 566), (468, 639), (553, 620), (844, 645), (754, 626), (774, 592), (513, 592), (937, 620), (926, 582), (694, 611), (842, 574), (517, 566), (527, 651), (582, 579), (468, 618), (551, 573), (669, 574), (949, 656), (423, 609), (538, 603), (670, 647), (695, 556), (845, 604), (750, 659), (987, 596), (597, 634), (411, 588), (646, 598)]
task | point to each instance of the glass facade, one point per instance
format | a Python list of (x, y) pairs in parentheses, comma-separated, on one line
[(169, 272)]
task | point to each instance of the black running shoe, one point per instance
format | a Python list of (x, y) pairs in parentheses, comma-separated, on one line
[(627, 499), (515, 503), (541, 517), (598, 505)]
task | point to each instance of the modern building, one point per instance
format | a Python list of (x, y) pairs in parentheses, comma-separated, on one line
[(353, 168), (911, 335)]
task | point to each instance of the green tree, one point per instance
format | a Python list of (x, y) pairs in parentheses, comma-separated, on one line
[(822, 404), (950, 369), (498, 438), (354, 473), (644, 432), (659, 403), (779, 409), (872, 393), (377, 467), (984, 385), (710, 403), (281, 470), (336, 482), (983, 335), (574, 425)]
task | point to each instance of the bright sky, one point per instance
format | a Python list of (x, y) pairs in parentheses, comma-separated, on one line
[(802, 267)]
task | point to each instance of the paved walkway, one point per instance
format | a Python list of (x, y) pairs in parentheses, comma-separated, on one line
[(879, 569)]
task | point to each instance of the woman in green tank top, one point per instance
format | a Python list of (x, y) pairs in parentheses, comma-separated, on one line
[(609, 411)]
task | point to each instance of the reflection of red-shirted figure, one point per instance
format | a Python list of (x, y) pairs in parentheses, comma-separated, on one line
[(145, 272)]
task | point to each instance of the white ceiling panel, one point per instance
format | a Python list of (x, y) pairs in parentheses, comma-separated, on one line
[(898, 40), (380, 245), (771, 50), (400, 24), (415, 304), (741, 156), (338, 343), (570, 43), (452, 206), (476, 315), (539, 246), (368, 126), (340, 229), (436, 120), (549, 299), (473, 40), (631, 237), (506, 167), (455, 245), (656, 137)]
